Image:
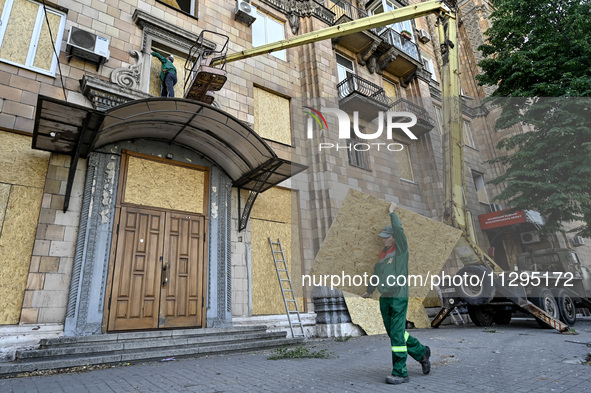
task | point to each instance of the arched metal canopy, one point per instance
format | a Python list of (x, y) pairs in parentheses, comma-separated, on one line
[(67, 128)]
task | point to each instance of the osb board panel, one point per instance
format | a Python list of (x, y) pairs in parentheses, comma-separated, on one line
[(16, 247), (44, 54), (366, 313), (352, 246), (390, 89), (271, 116), (4, 193), (18, 31), (155, 86), (416, 313), (274, 205), (19, 164), (266, 293), (162, 185), (172, 3)]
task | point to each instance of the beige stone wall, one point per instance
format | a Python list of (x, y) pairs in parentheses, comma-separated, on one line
[(46, 295), (22, 177)]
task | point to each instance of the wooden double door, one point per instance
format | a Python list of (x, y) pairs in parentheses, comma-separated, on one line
[(159, 271)]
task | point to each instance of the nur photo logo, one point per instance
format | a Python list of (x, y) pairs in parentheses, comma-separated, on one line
[(386, 121)]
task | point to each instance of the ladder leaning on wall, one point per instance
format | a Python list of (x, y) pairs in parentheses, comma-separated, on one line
[(289, 299)]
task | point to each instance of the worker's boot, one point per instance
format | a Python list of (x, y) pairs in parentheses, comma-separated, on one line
[(396, 380), (425, 363)]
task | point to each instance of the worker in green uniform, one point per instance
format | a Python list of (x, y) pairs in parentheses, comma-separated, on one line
[(393, 263), (167, 74)]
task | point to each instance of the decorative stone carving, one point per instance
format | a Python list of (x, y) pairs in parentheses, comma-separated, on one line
[(105, 95), (129, 76), (301, 8), (363, 57), (385, 60)]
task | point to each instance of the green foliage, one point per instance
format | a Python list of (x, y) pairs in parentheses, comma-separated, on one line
[(299, 352), (542, 49), (538, 49)]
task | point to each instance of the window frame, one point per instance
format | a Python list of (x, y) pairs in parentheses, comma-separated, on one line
[(439, 118), (35, 36), (478, 178), (430, 66), (399, 26), (357, 158), (342, 67), (468, 136), (264, 18), (412, 173)]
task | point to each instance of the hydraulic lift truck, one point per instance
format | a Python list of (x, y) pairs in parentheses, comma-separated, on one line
[(206, 73)]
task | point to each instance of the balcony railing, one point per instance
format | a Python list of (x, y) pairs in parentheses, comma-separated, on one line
[(424, 122), (394, 38), (356, 84), (341, 8)]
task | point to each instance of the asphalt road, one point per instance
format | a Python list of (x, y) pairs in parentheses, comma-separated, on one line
[(520, 357)]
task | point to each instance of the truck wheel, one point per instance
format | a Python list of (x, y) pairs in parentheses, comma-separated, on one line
[(481, 315), (566, 307), (543, 299), (502, 317), (479, 294)]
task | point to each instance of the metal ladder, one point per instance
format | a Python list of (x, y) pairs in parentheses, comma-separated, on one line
[(289, 299)]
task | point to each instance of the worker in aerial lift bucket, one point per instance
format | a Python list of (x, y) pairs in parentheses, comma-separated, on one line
[(393, 263), (167, 74)]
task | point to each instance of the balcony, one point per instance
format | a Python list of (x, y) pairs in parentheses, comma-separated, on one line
[(364, 42), (424, 122), (358, 94), (402, 55)]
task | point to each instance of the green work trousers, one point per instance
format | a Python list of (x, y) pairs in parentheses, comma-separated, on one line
[(394, 315)]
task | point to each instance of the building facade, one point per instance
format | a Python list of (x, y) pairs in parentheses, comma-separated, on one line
[(122, 210)]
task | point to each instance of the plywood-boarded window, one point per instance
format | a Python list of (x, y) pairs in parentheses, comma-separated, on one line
[(404, 164), (271, 217), (391, 89), (167, 186), (26, 37), (271, 116)]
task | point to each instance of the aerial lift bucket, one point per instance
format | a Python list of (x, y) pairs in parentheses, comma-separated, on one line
[(202, 77)]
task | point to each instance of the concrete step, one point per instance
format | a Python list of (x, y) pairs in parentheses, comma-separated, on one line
[(142, 343), (27, 365), (127, 336)]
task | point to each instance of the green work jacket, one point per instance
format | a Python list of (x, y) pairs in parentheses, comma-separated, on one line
[(167, 66), (393, 264)]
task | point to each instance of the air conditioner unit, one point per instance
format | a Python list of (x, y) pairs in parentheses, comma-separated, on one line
[(529, 237), (577, 241), (424, 37), (89, 46), (245, 12)]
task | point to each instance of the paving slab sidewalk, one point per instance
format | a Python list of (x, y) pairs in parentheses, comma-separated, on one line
[(517, 358)]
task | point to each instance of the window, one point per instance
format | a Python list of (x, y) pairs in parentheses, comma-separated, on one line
[(385, 6), (344, 66), (357, 155), (469, 139), (439, 118), (272, 116), (25, 40), (429, 66), (189, 6), (480, 187), (391, 89), (404, 164), (266, 29)]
